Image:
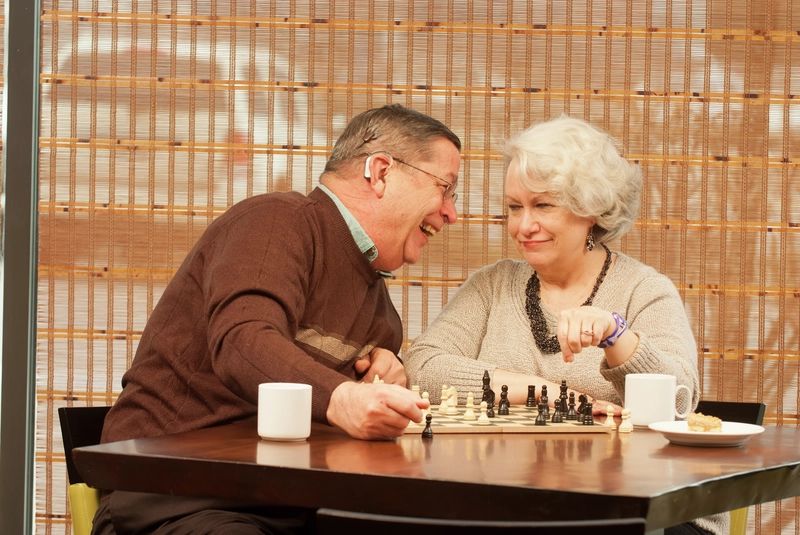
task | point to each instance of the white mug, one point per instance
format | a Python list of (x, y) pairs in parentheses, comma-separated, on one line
[(284, 411), (651, 398)]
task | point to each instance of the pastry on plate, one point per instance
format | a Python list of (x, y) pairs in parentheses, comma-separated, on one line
[(703, 423)]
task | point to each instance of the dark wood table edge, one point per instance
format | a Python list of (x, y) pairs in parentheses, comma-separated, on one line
[(311, 487)]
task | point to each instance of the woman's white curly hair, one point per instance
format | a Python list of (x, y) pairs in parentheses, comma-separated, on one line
[(581, 166)]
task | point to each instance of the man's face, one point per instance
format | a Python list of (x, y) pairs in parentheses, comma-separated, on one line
[(418, 210)]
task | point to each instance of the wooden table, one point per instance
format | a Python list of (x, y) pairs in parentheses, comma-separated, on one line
[(511, 477)]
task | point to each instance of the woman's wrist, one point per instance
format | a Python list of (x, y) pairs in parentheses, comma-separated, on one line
[(619, 330), (623, 349)]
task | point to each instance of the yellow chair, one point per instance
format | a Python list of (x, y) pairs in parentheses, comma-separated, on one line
[(739, 521), (83, 503), (81, 426), (735, 411)]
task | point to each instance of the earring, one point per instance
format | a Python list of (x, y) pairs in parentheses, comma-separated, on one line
[(590, 241)]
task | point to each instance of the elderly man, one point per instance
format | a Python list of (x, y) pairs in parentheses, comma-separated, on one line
[(290, 288)]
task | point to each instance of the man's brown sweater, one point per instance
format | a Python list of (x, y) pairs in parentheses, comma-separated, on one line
[(276, 289)]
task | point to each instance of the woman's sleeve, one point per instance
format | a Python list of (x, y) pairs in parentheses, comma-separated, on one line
[(446, 353), (656, 313)]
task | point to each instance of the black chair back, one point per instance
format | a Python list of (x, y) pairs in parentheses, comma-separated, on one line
[(734, 411), (80, 426)]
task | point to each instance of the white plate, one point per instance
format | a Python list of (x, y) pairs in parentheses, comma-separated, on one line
[(732, 434)]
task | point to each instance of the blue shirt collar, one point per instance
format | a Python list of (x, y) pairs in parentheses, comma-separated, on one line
[(364, 242)]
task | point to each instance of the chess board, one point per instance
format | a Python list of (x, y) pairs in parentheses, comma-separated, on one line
[(521, 419)]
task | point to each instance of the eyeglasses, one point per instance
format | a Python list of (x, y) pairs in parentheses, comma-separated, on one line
[(448, 190)]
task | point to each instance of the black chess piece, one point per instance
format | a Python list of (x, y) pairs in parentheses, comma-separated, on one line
[(531, 401), (588, 417), (563, 396), (571, 414), (541, 418), (428, 432), (544, 399), (502, 409), (486, 379), (488, 394), (582, 398), (557, 416)]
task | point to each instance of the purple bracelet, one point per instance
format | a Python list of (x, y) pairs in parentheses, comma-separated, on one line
[(622, 325)]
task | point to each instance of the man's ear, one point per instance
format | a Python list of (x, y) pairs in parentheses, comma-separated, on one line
[(375, 169)]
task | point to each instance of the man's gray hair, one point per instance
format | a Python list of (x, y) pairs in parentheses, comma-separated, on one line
[(400, 131)]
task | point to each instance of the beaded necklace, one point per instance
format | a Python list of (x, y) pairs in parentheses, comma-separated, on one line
[(549, 344)]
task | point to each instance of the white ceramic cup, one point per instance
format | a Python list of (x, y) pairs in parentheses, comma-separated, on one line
[(284, 411), (651, 397)]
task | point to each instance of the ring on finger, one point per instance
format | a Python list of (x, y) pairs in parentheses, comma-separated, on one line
[(587, 332)]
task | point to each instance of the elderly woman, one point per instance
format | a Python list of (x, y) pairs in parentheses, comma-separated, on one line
[(572, 309)]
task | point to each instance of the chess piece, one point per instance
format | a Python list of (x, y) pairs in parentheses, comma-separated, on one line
[(415, 388), (443, 401), (541, 418), (428, 432), (544, 399), (531, 401), (610, 417), (377, 380), (588, 417), (504, 406), (452, 401), (571, 414), (469, 414), (483, 419), (563, 396), (580, 410), (427, 397), (488, 394), (557, 417), (626, 426)]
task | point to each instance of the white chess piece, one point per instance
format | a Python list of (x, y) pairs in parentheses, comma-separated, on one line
[(415, 388), (443, 401), (484, 417), (452, 401), (426, 397), (610, 417), (626, 426), (469, 414)]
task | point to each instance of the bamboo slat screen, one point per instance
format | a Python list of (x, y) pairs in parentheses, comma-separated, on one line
[(158, 115)]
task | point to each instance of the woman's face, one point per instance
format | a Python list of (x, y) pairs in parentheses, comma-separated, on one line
[(545, 233)]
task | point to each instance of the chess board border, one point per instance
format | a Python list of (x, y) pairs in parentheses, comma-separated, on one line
[(520, 420)]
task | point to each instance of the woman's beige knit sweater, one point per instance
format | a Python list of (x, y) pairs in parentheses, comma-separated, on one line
[(486, 326)]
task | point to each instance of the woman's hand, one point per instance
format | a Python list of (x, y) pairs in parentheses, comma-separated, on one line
[(587, 326), (583, 327), (600, 407)]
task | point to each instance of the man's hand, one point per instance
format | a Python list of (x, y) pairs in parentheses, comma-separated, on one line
[(384, 364), (374, 411)]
